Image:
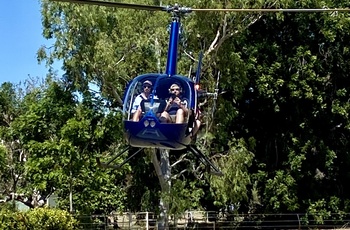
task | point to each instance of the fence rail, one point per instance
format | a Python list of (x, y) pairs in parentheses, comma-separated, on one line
[(217, 220)]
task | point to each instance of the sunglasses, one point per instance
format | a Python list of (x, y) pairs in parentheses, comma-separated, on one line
[(175, 89), (147, 86)]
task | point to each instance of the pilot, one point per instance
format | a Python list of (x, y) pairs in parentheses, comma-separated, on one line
[(145, 95), (176, 107)]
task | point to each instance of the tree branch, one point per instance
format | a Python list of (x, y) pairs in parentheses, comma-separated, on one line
[(181, 159), (217, 42), (212, 45)]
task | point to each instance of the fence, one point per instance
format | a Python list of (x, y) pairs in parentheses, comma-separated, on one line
[(216, 220)]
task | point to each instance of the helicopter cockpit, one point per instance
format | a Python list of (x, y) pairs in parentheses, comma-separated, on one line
[(155, 103), (149, 130)]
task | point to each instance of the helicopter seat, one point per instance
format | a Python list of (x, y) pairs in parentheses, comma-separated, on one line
[(157, 108)]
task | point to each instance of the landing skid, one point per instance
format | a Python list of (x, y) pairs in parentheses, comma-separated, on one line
[(108, 164), (192, 148), (205, 160)]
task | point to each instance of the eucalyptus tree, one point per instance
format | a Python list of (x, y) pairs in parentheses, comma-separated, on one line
[(107, 46)]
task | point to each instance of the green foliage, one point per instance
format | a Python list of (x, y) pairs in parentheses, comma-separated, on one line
[(294, 107), (281, 191), (51, 146), (319, 211), (184, 195), (103, 45), (324, 209), (63, 154), (37, 219), (50, 219), (9, 220), (3, 155), (12, 154), (232, 187)]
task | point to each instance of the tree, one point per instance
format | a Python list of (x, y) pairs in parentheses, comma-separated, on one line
[(63, 137), (12, 155), (232, 187), (50, 145), (298, 84)]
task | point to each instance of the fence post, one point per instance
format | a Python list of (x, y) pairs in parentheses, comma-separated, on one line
[(299, 221), (146, 220), (130, 220)]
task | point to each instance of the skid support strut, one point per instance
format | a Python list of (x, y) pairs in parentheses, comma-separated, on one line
[(204, 159), (108, 164)]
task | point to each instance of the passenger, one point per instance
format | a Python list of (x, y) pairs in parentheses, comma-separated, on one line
[(145, 95), (196, 125), (176, 107)]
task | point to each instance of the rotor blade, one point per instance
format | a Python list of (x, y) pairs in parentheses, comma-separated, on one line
[(116, 4), (275, 10)]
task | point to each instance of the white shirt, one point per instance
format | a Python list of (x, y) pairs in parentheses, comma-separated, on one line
[(137, 102)]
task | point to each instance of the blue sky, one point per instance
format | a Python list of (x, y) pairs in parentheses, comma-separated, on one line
[(20, 39)]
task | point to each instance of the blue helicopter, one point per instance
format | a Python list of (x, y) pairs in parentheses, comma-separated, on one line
[(149, 131)]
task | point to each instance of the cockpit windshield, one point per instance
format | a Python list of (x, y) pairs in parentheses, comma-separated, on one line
[(150, 92)]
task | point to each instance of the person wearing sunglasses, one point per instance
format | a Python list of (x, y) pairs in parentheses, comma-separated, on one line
[(145, 95), (176, 107)]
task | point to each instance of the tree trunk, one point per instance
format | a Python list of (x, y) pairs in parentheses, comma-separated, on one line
[(163, 170)]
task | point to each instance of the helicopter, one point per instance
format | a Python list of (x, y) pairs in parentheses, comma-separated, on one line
[(149, 131)]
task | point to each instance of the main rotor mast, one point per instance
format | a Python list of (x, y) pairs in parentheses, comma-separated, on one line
[(176, 10)]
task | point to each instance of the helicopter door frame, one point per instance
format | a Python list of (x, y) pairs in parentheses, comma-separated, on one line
[(132, 91), (130, 96)]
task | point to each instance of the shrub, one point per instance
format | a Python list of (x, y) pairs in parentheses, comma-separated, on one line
[(37, 219), (11, 220)]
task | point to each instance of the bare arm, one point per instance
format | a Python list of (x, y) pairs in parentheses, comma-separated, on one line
[(182, 105), (168, 104)]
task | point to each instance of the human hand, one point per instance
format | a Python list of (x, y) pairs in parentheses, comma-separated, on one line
[(177, 100)]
